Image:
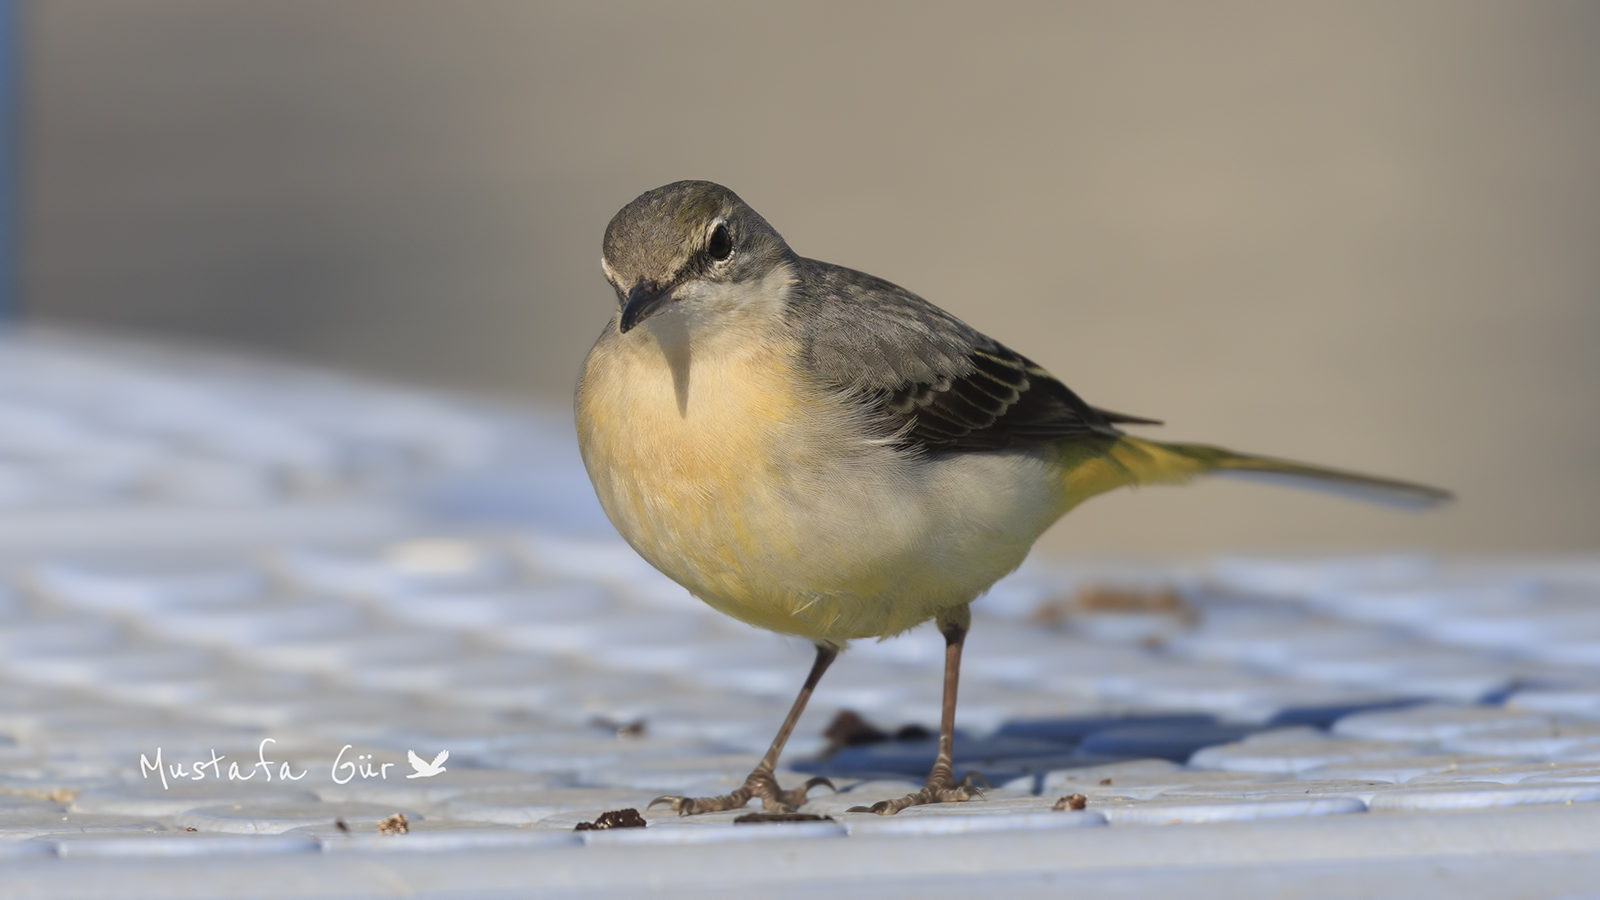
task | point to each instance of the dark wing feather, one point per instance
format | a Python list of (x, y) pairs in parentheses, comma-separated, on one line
[(931, 380)]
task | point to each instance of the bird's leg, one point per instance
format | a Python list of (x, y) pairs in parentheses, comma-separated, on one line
[(761, 782), (941, 786)]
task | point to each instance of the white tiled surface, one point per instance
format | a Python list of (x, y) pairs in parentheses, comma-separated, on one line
[(234, 563)]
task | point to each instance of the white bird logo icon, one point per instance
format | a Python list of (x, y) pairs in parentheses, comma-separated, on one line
[(427, 769)]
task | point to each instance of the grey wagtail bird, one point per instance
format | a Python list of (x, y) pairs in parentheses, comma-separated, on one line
[(821, 453)]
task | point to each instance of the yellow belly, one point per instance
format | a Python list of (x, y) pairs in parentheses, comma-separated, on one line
[(769, 502)]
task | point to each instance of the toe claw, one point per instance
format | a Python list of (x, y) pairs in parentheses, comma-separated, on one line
[(674, 802), (860, 809), (816, 781)]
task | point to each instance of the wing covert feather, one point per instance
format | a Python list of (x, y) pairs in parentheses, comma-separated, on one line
[(934, 382)]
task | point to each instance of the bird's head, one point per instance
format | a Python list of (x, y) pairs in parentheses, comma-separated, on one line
[(693, 247)]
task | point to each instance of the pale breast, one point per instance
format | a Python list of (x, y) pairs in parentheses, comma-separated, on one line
[(771, 501), (685, 450)]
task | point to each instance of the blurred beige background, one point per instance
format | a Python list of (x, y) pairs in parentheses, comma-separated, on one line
[(1365, 234)]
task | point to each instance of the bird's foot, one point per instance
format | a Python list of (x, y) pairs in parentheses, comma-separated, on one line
[(761, 783), (941, 788)]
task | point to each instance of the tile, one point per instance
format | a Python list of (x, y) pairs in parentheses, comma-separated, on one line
[(581, 633), (1540, 741), (1141, 786), (696, 775), (1568, 650), (581, 559), (1414, 606), (740, 722), (1281, 645), (279, 703), (1435, 723), (486, 610), (763, 668), (150, 798), (23, 822), (13, 849), (280, 816), (1285, 734), (38, 637), (1581, 703), (714, 834), (420, 566), (580, 758), (125, 735), (1363, 790), (256, 622), (1071, 730), (337, 653), (1434, 673), (997, 759), (903, 824), (1511, 773), (1176, 743), (1319, 577), (175, 844), (1324, 714), (1231, 693), (1176, 812), (1581, 773), (1292, 758), (671, 657), (527, 807), (443, 838), (1088, 775), (577, 697), (436, 676), (95, 666), (1517, 629), (425, 793), (1404, 769), (1482, 795), (131, 589)]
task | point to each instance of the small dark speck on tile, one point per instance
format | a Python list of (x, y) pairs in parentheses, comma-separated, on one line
[(762, 818)]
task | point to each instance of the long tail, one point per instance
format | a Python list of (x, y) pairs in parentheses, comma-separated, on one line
[(1094, 468)]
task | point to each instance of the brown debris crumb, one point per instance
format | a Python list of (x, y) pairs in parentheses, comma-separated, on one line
[(624, 730), (191, 829), (1116, 601), (54, 795), (1072, 801), (395, 824), (848, 729), (1105, 782), (343, 828), (762, 818), (617, 818)]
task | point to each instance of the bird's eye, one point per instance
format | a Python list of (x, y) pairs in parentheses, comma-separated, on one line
[(721, 244)]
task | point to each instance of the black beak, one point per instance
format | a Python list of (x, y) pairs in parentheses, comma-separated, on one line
[(644, 301)]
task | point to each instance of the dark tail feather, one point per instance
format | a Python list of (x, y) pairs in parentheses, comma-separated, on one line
[(1117, 418)]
